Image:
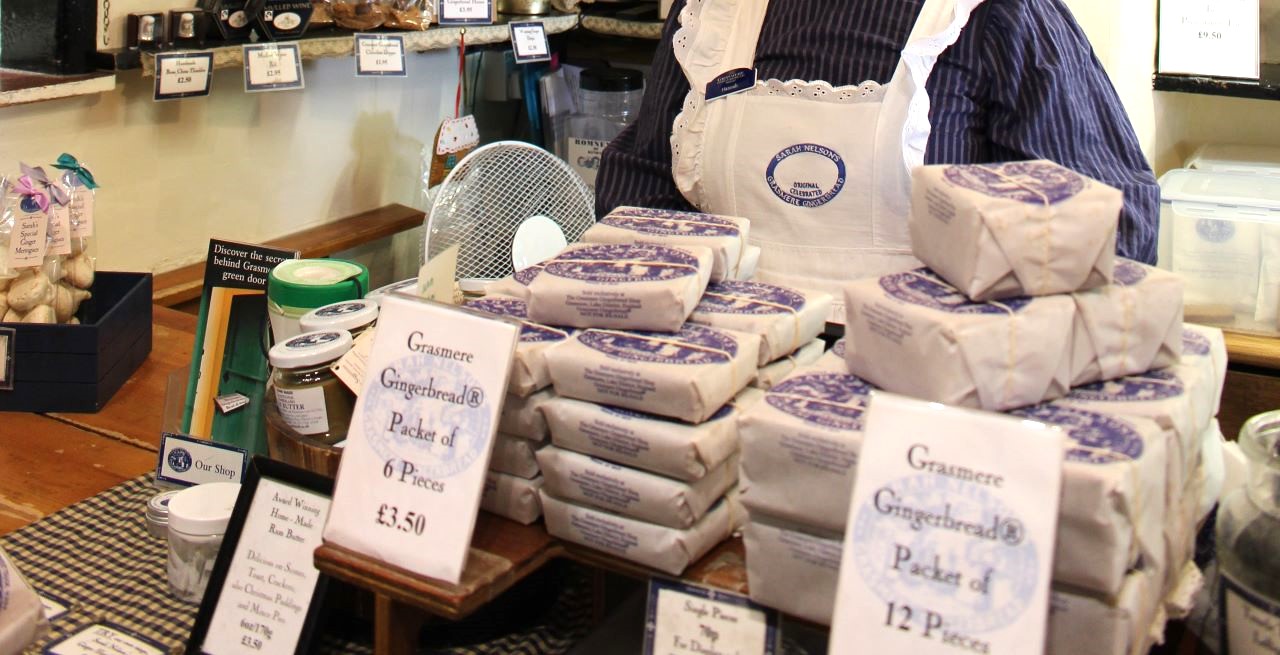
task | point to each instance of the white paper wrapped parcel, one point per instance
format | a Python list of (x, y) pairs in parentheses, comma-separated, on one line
[(21, 612), (833, 359), (515, 285), (523, 417), (688, 375), (512, 497), (726, 236), (778, 370), (800, 448), (529, 365), (514, 456), (631, 492), (1206, 349), (1129, 625), (913, 334), (645, 441), (792, 568), (1030, 228), (1131, 326), (785, 319), (626, 287), (669, 550)]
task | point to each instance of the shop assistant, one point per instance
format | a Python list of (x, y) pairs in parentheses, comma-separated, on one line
[(852, 94)]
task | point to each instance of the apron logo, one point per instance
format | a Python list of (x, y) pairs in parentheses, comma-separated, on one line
[(803, 175)]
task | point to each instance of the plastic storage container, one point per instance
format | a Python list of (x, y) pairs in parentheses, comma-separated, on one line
[(198, 518), (1221, 233), (297, 286), (1236, 158), (608, 101)]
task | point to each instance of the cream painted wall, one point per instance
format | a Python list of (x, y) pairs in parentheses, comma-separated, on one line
[(239, 166)]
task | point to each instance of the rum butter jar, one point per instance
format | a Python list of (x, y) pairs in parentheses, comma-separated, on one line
[(310, 397)]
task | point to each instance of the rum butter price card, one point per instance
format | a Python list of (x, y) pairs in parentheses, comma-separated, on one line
[(418, 447), (951, 531)]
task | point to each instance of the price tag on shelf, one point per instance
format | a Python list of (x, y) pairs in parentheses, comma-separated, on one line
[(418, 447), (950, 538), (183, 75), (104, 639), (380, 55), (1218, 38), (272, 67), (465, 12), (683, 618), (529, 42)]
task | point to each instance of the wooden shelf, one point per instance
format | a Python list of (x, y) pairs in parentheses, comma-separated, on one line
[(1253, 350), (22, 87), (334, 43), (1217, 86)]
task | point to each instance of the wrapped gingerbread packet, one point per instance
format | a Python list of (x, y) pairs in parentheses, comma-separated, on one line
[(785, 319), (512, 497), (529, 371), (1131, 326), (726, 236)]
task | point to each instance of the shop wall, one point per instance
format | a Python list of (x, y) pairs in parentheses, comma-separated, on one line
[(248, 167)]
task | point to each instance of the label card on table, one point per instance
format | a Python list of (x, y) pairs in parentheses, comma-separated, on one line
[(529, 42), (1217, 38), (420, 437), (380, 55), (183, 75), (188, 461), (685, 618), (272, 67), (435, 278), (950, 538), (465, 12), (105, 639)]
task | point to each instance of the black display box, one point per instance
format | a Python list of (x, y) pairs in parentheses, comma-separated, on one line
[(78, 368)]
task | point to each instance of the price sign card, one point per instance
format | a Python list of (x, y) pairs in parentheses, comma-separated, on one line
[(183, 75), (1218, 38), (529, 42), (465, 12), (380, 55), (685, 618), (420, 437), (272, 67), (951, 531), (105, 639)]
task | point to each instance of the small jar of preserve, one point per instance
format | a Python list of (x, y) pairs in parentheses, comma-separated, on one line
[(310, 398)]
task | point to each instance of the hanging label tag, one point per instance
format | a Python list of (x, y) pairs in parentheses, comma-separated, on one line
[(105, 639), (455, 139), (435, 278), (350, 367), (950, 534), (272, 67), (465, 12), (187, 461), (59, 229), (727, 84), (418, 449), (7, 343), (183, 75), (529, 42), (81, 212), (380, 55), (30, 229), (685, 618), (1219, 38)]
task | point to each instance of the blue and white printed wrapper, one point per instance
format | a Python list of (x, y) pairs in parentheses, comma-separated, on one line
[(514, 456), (687, 375), (1131, 326), (913, 334), (625, 287), (1127, 625), (750, 262), (1112, 512), (785, 319), (512, 497), (792, 568), (800, 448), (1204, 348), (529, 365), (833, 359), (523, 417), (1030, 228), (726, 236), (670, 550), (631, 492), (775, 371), (645, 441), (21, 612), (515, 285)]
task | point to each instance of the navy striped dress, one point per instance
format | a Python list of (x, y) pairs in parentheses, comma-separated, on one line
[(1022, 82)]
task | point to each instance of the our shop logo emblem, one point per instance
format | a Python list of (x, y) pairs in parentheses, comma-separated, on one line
[(180, 460), (806, 175)]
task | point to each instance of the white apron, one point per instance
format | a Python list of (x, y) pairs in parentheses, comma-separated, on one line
[(822, 172)]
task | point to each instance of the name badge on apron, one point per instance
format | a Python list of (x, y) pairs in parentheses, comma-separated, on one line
[(731, 82)]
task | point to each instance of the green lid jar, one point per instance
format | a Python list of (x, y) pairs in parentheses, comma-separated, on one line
[(297, 286)]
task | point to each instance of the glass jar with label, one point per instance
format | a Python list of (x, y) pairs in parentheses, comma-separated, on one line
[(354, 316), (1248, 538), (198, 518), (608, 101), (310, 397)]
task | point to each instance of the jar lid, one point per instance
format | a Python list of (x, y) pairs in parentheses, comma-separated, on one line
[(158, 506), (310, 283), (310, 349), (407, 286), (345, 315), (203, 509), (611, 79)]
